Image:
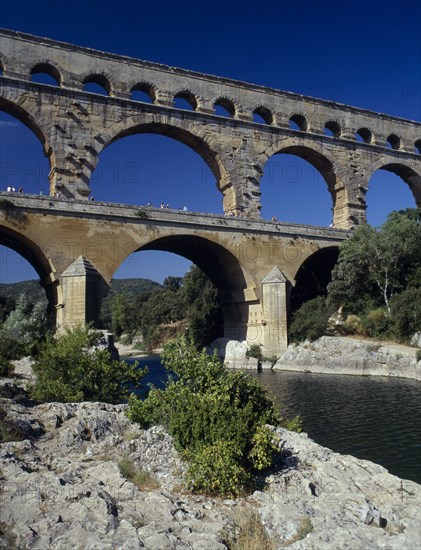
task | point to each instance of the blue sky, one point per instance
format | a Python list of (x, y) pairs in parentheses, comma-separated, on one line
[(363, 53)]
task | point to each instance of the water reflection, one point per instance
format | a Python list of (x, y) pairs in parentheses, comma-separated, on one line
[(368, 417), (375, 418)]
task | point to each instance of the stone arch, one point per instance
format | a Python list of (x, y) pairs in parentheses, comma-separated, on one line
[(408, 171), (393, 141), (222, 267), (99, 77), (50, 68), (365, 135), (146, 87), (318, 157), (264, 112), (179, 129), (300, 119), (29, 250), (228, 104), (313, 275), (334, 126), (20, 109), (188, 96)]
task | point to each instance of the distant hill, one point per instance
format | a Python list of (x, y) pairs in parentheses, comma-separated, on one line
[(133, 286), (35, 293), (32, 289)]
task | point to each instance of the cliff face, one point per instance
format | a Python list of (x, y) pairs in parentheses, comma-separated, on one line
[(62, 487)]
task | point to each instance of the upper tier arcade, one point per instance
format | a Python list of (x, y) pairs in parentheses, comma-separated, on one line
[(346, 144)]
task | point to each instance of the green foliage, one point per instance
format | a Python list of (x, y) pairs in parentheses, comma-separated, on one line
[(255, 351), (69, 370), (310, 320), (375, 323), (377, 263), (32, 290), (22, 331), (217, 418), (144, 480), (378, 277), (6, 367), (217, 469), (406, 313), (142, 213), (163, 312)]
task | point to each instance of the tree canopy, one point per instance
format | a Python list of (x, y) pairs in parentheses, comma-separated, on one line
[(378, 262)]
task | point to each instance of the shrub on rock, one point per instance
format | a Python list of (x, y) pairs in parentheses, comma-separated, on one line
[(217, 418), (70, 369)]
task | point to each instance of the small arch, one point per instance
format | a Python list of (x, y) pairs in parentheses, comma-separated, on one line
[(97, 84), (144, 92), (224, 107), (185, 100), (298, 122), (417, 146), (393, 142), (262, 115), (332, 129), (364, 135), (45, 73)]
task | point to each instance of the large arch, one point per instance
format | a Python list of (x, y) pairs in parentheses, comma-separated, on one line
[(37, 259), (223, 269), (312, 276), (404, 169), (35, 124), (181, 131), (315, 155)]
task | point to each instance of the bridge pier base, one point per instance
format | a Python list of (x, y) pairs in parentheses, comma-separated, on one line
[(82, 293), (274, 297)]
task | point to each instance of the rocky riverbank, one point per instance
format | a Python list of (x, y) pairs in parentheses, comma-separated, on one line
[(67, 484), (332, 355)]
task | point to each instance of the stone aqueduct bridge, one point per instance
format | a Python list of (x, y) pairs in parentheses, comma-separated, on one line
[(76, 246)]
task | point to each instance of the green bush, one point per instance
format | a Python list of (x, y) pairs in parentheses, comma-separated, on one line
[(255, 351), (352, 325), (217, 418), (68, 369), (310, 321), (23, 329), (376, 323), (406, 313)]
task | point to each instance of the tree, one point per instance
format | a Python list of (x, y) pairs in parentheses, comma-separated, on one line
[(377, 263), (203, 311), (23, 329)]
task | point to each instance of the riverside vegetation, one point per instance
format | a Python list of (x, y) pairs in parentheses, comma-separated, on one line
[(217, 418), (376, 284)]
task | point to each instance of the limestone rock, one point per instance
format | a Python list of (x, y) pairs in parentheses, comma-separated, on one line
[(342, 355), (63, 488)]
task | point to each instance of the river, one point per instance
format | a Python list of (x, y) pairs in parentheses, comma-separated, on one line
[(375, 418)]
